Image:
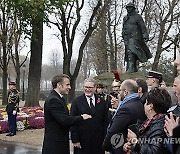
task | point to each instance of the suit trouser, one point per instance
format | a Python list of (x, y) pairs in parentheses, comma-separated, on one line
[(12, 122)]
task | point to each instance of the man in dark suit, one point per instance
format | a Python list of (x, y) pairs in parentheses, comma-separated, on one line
[(129, 110), (87, 136), (57, 119)]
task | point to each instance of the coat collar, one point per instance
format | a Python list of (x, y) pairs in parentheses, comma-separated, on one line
[(86, 105), (56, 94)]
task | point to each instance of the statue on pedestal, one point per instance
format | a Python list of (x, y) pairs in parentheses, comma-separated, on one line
[(135, 35)]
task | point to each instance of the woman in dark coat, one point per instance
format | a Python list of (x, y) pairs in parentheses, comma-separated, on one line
[(149, 136)]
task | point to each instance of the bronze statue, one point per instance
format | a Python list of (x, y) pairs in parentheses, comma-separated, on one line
[(135, 35)]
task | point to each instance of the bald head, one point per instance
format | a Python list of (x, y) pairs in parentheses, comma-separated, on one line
[(176, 81), (130, 85)]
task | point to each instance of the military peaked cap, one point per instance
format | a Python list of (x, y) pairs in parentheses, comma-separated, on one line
[(156, 75), (12, 83)]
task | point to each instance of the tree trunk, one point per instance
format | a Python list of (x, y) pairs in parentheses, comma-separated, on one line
[(17, 68), (71, 94), (5, 57), (68, 35), (113, 61), (5, 75), (158, 51), (18, 80), (4, 94), (156, 60), (35, 63), (175, 67)]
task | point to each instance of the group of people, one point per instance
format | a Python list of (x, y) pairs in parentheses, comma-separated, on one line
[(142, 120), (137, 117)]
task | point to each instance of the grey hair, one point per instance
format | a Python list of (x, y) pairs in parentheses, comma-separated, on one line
[(90, 80), (130, 85), (172, 93)]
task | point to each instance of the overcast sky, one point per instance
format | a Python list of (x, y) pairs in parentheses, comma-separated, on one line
[(50, 43)]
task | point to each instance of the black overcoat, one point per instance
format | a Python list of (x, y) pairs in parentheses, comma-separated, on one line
[(127, 115), (89, 133), (57, 125)]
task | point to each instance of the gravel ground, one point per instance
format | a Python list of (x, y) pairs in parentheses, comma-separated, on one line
[(33, 137), (29, 136)]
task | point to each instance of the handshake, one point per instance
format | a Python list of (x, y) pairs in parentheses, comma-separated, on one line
[(86, 116)]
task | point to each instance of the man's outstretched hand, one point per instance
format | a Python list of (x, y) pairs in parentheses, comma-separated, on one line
[(86, 116)]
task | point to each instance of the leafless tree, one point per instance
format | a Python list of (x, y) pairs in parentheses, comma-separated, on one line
[(69, 21), (6, 43), (105, 43), (161, 17), (115, 13), (46, 75), (18, 45), (87, 63), (55, 62)]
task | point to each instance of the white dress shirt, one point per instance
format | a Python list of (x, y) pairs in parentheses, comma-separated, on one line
[(88, 100), (59, 94)]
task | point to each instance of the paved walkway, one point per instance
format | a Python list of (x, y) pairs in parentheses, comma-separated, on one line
[(18, 148)]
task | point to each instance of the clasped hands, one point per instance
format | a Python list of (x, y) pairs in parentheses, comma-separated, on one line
[(114, 102), (77, 145), (132, 140), (86, 116), (170, 123)]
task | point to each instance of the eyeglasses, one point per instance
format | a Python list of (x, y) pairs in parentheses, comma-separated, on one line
[(86, 87)]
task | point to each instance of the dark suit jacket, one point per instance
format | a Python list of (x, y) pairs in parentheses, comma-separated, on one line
[(89, 133), (126, 115), (57, 125)]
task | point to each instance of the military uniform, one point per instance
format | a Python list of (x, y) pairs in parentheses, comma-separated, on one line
[(103, 95), (12, 109)]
